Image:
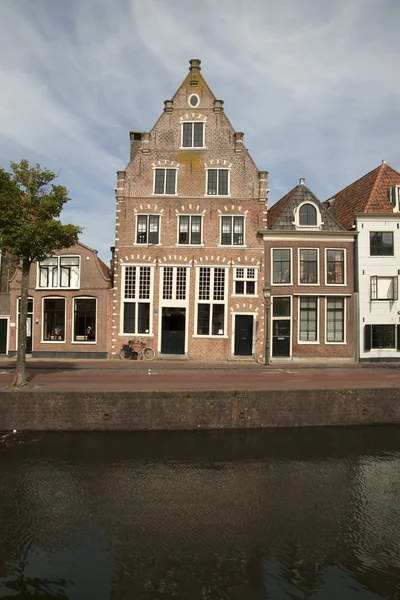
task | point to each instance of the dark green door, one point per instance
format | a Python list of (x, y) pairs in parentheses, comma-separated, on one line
[(3, 336)]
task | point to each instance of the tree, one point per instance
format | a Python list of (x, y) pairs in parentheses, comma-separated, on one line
[(30, 230)]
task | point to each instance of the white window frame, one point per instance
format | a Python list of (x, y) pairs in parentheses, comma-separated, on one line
[(73, 341), (296, 221), (64, 341), (204, 135), (159, 167), (382, 256), (211, 301), (306, 342), (395, 284), (245, 279), (344, 267), (344, 321), (198, 101), (272, 268), (190, 245), (299, 271), (136, 300), (58, 286), (206, 194), (244, 232), (136, 243)]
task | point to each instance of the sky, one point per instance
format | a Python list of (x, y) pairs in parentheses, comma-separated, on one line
[(314, 85)]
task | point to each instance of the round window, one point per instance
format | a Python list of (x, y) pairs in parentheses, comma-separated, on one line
[(194, 100)]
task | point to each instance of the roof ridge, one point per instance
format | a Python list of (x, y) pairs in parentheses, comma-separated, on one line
[(353, 183), (381, 168)]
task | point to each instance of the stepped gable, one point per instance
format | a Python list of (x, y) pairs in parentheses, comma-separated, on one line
[(369, 194), (281, 215)]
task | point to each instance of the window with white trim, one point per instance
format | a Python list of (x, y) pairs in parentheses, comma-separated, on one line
[(85, 319), (59, 272), (174, 283), (211, 301), (54, 319), (165, 181), (335, 320), (307, 215), (308, 328), (190, 229), (148, 229), (384, 288), (245, 280), (217, 182), (335, 267), (193, 135), (232, 231), (309, 266), (282, 259), (136, 299)]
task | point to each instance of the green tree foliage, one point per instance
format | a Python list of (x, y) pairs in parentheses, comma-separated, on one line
[(30, 229)]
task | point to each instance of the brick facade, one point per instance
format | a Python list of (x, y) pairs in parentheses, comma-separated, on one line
[(214, 179), (75, 339)]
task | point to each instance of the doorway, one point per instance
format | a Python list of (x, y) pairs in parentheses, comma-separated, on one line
[(3, 335), (173, 327), (244, 325), (29, 326), (281, 338)]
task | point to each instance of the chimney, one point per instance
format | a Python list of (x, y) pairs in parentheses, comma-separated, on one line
[(239, 145), (263, 187), (384, 162), (195, 64), (302, 181), (136, 141)]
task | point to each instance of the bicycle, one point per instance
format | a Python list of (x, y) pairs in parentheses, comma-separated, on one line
[(136, 349)]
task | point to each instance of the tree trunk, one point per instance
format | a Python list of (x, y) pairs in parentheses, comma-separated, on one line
[(20, 379)]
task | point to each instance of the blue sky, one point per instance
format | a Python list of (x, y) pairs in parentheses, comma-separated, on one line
[(314, 85)]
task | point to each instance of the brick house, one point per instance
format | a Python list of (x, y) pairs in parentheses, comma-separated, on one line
[(67, 307), (309, 265), (371, 207), (187, 259)]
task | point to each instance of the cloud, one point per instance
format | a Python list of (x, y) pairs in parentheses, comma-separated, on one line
[(313, 85)]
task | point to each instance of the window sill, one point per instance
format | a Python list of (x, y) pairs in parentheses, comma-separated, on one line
[(53, 341), (193, 147), (310, 284), (189, 245), (218, 196), (41, 289), (336, 343), (83, 342), (335, 284), (308, 343), (147, 245), (232, 246), (163, 195), (281, 284), (244, 296)]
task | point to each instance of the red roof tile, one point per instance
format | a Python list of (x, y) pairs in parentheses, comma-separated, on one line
[(368, 194)]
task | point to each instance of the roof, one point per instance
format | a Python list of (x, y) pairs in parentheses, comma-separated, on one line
[(281, 215), (369, 194)]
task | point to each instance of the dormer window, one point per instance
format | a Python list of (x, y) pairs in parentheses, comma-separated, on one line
[(307, 216), (395, 198)]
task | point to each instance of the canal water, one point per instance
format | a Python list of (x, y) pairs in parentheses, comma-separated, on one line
[(283, 514)]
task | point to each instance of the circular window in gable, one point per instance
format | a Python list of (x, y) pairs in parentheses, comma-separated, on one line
[(194, 100)]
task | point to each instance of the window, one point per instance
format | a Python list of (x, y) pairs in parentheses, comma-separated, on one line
[(217, 182), (84, 320), (193, 135), (148, 229), (335, 320), (383, 288), (281, 266), (382, 336), (54, 319), (211, 301), (174, 283), (308, 319), (165, 181), (309, 266), (190, 229), (59, 271), (136, 299), (307, 215), (194, 100), (381, 243), (232, 231), (245, 281), (281, 306), (335, 267)]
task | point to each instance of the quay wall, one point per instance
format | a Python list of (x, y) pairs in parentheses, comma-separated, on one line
[(202, 409)]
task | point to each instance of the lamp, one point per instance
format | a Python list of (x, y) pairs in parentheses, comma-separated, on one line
[(266, 290)]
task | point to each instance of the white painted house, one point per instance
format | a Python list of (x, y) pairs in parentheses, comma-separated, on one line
[(371, 206)]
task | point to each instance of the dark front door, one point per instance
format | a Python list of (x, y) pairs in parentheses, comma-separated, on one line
[(173, 327), (281, 337), (29, 322), (243, 335), (3, 336)]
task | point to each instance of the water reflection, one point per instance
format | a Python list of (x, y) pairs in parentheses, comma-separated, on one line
[(202, 515)]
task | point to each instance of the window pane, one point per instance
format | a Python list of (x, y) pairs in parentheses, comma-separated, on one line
[(335, 266), (308, 215), (196, 230), (281, 307), (170, 181), (167, 283), (223, 182), (381, 243), (85, 320), (181, 283), (144, 283), (129, 317), (153, 229), (383, 336), (204, 283), (141, 229), (54, 319), (187, 135), (238, 229), (203, 319), (308, 319), (281, 273), (308, 266), (335, 320), (143, 317), (130, 282), (239, 287), (218, 319), (159, 181), (198, 135), (250, 287), (226, 233), (183, 230), (212, 178), (219, 284)]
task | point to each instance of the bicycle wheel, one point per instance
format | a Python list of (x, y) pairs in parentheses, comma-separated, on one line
[(148, 353), (125, 355)]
